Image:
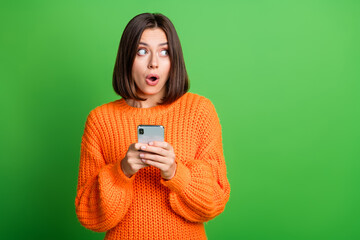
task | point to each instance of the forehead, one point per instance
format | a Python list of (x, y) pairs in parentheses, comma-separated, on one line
[(153, 35)]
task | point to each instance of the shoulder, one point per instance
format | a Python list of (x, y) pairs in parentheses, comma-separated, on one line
[(201, 106), (196, 100), (102, 111), (207, 120), (106, 106), (202, 102)]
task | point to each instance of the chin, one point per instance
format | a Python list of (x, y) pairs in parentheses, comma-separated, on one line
[(146, 94), (152, 92)]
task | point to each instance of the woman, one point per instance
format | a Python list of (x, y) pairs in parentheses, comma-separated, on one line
[(159, 190)]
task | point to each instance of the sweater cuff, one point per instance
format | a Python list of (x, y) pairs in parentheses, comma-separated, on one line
[(121, 178), (180, 180)]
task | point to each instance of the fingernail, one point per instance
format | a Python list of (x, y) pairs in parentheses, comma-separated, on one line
[(151, 143), (142, 155), (143, 160), (143, 147)]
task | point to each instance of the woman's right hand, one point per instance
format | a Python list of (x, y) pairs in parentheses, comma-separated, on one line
[(132, 163)]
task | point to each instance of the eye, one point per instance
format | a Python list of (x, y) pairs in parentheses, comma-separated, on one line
[(141, 52), (164, 53)]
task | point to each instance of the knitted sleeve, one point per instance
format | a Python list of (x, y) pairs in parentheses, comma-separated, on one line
[(104, 193), (200, 190)]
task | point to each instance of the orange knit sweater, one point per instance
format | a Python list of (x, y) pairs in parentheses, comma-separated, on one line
[(146, 206)]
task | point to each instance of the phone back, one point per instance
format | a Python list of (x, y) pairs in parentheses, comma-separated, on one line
[(149, 133)]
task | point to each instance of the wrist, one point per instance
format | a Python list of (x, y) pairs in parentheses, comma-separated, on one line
[(123, 169), (172, 174)]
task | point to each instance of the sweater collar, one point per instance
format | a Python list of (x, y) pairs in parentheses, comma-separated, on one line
[(156, 110)]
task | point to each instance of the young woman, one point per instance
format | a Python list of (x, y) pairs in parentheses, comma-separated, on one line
[(159, 190)]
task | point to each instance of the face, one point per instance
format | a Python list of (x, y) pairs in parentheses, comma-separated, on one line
[(151, 66)]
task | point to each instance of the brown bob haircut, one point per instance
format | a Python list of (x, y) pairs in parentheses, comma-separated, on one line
[(123, 84)]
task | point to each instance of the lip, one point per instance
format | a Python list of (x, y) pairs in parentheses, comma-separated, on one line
[(152, 75), (151, 82)]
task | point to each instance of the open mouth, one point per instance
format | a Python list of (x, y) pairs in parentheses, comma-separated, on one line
[(152, 77)]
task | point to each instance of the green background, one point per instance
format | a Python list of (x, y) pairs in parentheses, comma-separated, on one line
[(283, 76)]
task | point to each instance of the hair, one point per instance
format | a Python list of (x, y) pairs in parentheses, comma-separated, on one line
[(123, 83)]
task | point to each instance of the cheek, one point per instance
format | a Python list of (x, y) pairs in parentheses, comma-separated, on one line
[(137, 68), (167, 66)]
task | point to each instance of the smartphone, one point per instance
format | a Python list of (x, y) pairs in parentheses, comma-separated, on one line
[(149, 133)]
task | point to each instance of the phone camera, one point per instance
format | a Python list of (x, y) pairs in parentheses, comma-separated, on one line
[(141, 131)]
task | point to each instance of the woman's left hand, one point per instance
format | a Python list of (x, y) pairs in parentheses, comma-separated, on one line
[(160, 155)]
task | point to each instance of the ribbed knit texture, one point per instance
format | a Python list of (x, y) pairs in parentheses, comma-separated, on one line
[(146, 206)]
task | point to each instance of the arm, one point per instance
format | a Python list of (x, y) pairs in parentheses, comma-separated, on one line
[(104, 193), (200, 190)]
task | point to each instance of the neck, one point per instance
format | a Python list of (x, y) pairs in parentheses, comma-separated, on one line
[(148, 103)]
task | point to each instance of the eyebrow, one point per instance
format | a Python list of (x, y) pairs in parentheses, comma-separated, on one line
[(161, 44)]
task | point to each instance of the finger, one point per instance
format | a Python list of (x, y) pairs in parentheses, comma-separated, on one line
[(164, 145), (156, 150), (153, 157), (158, 165), (142, 164), (136, 160), (138, 146)]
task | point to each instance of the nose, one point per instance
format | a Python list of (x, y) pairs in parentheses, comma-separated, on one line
[(153, 63)]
